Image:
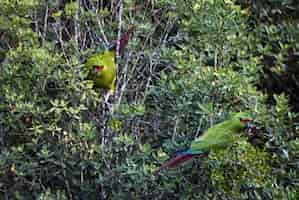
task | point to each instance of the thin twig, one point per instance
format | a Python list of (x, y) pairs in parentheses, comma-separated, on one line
[(77, 28), (59, 37), (106, 42), (119, 31), (45, 22)]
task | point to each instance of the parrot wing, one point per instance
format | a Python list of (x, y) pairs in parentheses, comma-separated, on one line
[(217, 136), (205, 144)]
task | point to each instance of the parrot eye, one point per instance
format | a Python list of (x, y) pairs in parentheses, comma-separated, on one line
[(98, 68)]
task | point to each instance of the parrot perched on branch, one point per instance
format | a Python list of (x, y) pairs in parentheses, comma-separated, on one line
[(218, 136), (102, 68)]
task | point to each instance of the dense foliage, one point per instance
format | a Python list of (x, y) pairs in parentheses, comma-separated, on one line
[(188, 66)]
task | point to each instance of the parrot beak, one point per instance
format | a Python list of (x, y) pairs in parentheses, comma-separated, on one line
[(248, 126)]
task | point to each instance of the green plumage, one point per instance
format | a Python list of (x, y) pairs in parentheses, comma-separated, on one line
[(102, 66), (106, 78), (219, 135)]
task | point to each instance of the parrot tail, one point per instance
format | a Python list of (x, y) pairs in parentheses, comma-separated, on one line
[(174, 162), (124, 39)]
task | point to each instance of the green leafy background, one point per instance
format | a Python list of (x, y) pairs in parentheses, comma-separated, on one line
[(188, 66)]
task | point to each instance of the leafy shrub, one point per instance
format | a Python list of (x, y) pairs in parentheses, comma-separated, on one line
[(187, 68)]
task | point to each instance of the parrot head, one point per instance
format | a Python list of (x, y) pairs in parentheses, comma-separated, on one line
[(99, 63), (241, 121)]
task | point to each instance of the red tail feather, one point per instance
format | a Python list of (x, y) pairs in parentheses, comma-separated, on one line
[(173, 162), (124, 39)]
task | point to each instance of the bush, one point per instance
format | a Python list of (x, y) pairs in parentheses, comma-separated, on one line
[(188, 66)]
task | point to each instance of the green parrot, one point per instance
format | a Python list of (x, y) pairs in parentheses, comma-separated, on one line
[(218, 136), (102, 70), (102, 67)]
